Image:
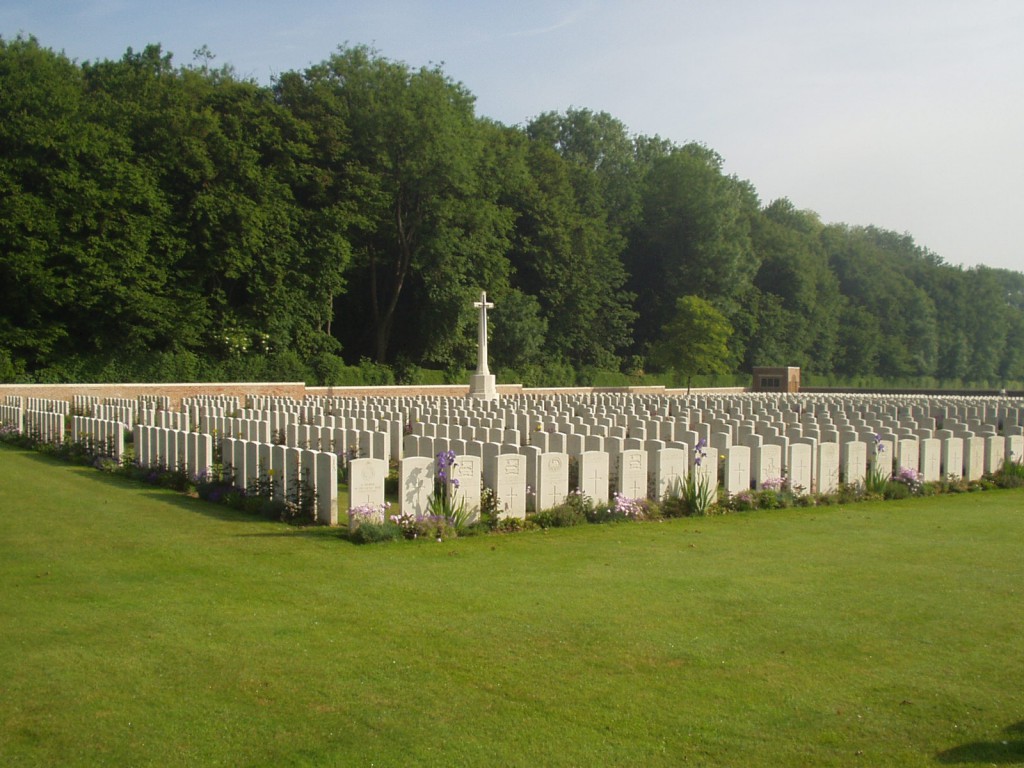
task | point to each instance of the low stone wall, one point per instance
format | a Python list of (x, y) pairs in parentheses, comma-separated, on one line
[(175, 392), (414, 390), (298, 390), (912, 392)]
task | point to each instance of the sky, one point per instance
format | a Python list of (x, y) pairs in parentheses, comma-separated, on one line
[(903, 114)]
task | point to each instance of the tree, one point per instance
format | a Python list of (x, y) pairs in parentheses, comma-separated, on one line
[(693, 237), (695, 341), (795, 299), (565, 254), (427, 230)]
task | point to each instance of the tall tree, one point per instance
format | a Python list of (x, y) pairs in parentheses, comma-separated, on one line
[(415, 147), (693, 238), (567, 257), (694, 341)]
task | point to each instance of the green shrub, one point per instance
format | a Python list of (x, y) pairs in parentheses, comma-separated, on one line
[(560, 516), (1010, 475), (895, 490), (374, 533), (674, 506)]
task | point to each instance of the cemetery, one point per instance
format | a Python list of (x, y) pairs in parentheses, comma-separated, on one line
[(811, 580), (714, 624), (527, 453)]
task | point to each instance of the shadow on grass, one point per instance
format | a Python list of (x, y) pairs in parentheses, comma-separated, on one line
[(177, 499), (1004, 752)]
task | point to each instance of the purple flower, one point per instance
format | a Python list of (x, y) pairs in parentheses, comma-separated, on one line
[(698, 452)]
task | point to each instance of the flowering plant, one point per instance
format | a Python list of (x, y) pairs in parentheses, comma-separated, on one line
[(698, 491), (367, 513), (877, 477), (910, 478), (443, 501), (632, 509), (425, 526)]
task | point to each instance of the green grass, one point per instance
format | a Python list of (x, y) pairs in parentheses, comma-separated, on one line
[(139, 627)]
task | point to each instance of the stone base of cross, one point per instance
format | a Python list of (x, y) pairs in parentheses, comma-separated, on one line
[(483, 386)]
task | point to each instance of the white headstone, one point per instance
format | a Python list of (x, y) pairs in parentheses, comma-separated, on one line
[(366, 482), (552, 480), (669, 471), (632, 474), (737, 469), (468, 470), (416, 484), (593, 467), (510, 484), (827, 475)]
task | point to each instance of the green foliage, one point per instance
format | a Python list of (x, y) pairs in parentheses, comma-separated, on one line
[(162, 222), (1011, 474), (560, 516), (375, 533), (694, 341)]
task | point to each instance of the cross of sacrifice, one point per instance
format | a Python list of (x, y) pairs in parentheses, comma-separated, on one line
[(481, 355)]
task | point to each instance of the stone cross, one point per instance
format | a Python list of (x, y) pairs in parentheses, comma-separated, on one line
[(481, 358)]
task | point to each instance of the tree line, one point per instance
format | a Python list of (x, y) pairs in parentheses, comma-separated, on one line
[(166, 222)]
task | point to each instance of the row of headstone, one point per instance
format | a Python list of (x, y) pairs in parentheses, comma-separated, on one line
[(166, 419), (173, 450), (45, 426), (102, 436), (287, 472), (804, 468), (12, 417), (126, 414), (46, 405), (84, 404)]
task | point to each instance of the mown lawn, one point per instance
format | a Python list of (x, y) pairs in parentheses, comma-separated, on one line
[(139, 627)]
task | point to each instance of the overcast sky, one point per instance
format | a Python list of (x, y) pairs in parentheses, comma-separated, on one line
[(905, 114)]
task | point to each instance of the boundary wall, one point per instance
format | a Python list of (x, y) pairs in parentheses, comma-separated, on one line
[(298, 390)]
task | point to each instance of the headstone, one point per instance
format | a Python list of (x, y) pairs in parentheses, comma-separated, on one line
[(995, 452), (853, 459), (1015, 448), (930, 459), (467, 471), (593, 466), (416, 484), (510, 484), (532, 455), (974, 457), (827, 474), (737, 469), (552, 480), (366, 482), (278, 473), (669, 471), (632, 474), (766, 464), (801, 478), (908, 454), (952, 456)]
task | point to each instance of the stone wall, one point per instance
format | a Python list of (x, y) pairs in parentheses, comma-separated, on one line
[(175, 392), (298, 390)]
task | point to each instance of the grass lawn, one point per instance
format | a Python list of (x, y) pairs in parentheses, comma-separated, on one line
[(139, 627)]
